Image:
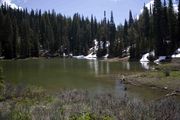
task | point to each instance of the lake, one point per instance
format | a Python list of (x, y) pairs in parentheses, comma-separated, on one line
[(58, 73)]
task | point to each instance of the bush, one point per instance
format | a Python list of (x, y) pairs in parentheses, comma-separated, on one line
[(20, 115), (167, 73), (2, 86)]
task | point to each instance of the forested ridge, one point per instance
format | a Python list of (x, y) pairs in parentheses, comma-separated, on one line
[(26, 33)]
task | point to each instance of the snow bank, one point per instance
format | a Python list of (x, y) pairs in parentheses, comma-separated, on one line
[(144, 61), (106, 56), (176, 54), (160, 59), (91, 56), (64, 55), (145, 58)]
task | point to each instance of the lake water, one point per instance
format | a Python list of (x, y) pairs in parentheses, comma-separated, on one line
[(95, 75)]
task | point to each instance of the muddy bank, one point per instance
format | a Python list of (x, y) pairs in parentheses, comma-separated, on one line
[(164, 77)]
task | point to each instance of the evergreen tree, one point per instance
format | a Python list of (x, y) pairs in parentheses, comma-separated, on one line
[(112, 35), (7, 38), (131, 20), (144, 24), (165, 27), (16, 41), (1, 30), (172, 23), (178, 38), (125, 34), (25, 34), (157, 14)]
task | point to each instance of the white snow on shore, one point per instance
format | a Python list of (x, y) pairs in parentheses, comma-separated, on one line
[(93, 51), (176, 54), (145, 61), (160, 59), (145, 58), (91, 56), (106, 56)]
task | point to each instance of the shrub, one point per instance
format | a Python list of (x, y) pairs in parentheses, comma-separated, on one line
[(167, 73)]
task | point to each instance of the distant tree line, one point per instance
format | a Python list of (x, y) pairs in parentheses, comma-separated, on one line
[(27, 34), (24, 34)]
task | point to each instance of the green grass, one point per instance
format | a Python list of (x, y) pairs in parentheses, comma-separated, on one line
[(161, 78), (161, 74)]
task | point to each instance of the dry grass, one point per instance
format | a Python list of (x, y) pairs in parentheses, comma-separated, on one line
[(82, 105)]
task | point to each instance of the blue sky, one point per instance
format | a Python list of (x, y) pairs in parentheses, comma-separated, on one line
[(120, 8)]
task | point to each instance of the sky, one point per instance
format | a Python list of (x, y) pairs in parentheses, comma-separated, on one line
[(120, 8)]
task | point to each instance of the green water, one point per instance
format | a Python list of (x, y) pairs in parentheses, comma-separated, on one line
[(55, 74)]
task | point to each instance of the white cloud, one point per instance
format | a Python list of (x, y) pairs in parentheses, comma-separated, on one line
[(10, 3)]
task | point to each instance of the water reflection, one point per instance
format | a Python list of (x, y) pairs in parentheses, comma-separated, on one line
[(99, 67), (107, 68), (94, 66), (103, 67), (126, 65), (145, 65)]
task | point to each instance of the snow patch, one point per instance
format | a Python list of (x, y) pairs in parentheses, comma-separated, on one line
[(176, 54), (106, 56), (160, 59), (145, 58), (91, 56), (93, 51)]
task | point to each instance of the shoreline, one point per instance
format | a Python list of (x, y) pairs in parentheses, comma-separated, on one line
[(117, 59), (164, 77)]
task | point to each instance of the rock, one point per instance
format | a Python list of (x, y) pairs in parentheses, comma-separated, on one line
[(165, 88), (125, 88), (123, 78)]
